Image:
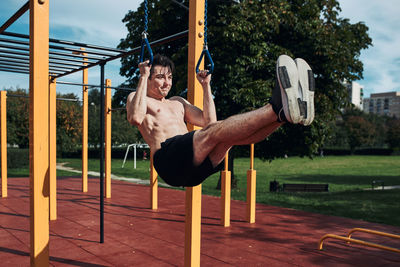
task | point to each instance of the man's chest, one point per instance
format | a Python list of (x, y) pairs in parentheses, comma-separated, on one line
[(170, 110)]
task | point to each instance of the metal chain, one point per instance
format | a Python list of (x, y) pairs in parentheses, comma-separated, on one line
[(146, 11), (205, 22)]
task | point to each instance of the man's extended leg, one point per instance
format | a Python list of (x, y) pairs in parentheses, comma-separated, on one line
[(287, 104), (219, 152), (216, 139)]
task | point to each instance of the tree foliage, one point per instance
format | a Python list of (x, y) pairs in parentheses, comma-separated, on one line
[(357, 129), (17, 117), (359, 132), (393, 134), (245, 39), (69, 123), (68, 120), (121, 131)]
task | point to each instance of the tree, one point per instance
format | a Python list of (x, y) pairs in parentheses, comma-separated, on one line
[(393, 134), (68, 119), (69, 123), (257, 32), (121, 131), (94, 117), (359, 132), (17, 117)]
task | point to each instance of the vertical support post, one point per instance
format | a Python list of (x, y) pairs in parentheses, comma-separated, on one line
[(195, 96), (108, 138), (85, 131), (153, 185), (251, 189), (53, 148), (226, 195), (39, 131), (134, 156), (3, 130), (102, 114)]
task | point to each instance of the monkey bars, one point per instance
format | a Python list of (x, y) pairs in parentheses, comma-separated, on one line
[(65, 57)]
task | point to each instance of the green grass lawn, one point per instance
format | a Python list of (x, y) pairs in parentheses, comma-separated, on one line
[(347, 176)]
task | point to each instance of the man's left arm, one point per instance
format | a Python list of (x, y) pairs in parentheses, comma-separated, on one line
[(209, 113), (195, 115)]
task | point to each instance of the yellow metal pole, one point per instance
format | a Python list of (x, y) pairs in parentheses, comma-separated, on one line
[(251, 189), (251, 156), (195, 96), (85, 128), (107, 135), (3, 126), (39, 131), (153, 186), (357, 241), (226, 195), (53, 148), (369, 231)]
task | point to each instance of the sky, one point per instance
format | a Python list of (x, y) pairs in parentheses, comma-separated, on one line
[(100, 22)]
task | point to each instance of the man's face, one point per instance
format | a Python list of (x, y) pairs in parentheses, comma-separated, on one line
[(160, 82)]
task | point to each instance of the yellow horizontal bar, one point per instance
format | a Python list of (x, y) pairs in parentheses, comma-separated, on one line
[(372, 232), (360, 242)]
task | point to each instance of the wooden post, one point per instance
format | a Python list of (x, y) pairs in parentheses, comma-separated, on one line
[(251, 189), (39, 131), (3, 130), (226, 195), (53, 148), (153, 186), (85, 131), (195, 96), (107, 135)]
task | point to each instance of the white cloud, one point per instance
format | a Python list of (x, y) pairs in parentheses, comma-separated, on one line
[(381, 64), (91, 21)]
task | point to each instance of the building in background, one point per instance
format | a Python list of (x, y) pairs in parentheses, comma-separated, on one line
[(383, 104), (356, 93)]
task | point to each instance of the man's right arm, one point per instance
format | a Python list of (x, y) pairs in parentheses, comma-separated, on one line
[(136, 104)]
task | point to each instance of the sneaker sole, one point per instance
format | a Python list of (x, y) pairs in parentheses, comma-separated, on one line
[(306, 89), (286, 71)]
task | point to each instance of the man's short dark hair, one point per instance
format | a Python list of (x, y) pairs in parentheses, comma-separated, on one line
[(160, 60)]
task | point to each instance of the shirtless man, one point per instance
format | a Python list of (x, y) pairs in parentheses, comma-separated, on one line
[(185, 158)]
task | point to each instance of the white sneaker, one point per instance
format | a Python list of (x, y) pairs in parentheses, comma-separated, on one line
[(285, 96), (306, 90)]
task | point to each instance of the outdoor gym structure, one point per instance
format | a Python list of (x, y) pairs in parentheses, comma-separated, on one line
[(46, 60)]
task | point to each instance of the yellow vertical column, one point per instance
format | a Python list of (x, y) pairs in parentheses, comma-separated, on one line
[(107, 138), (39, 131), (53, 148), (3, 142), (85, 131), (251, 189), (153, 186), (226, 195), (195, 96)]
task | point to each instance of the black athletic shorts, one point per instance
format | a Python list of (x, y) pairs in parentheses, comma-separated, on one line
[(174, 162)]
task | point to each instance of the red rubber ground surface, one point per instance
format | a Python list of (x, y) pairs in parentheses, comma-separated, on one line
[(138, 236)]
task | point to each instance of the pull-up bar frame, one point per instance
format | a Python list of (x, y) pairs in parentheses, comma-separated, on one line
[(13, 49)]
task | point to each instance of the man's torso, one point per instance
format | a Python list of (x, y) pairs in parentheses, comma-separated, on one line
[(164, 119)]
